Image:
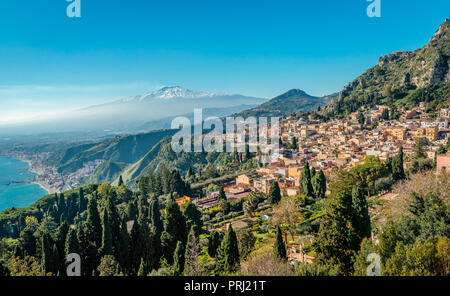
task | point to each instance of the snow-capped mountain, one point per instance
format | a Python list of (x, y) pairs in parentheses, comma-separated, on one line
[(171, 93), (133, 112)]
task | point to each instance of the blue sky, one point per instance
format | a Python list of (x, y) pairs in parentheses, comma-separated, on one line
[(49, 62)]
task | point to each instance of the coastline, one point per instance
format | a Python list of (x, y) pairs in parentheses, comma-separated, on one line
[(43, 185), (31, 168)]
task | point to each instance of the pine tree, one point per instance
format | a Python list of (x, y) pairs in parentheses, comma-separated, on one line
[(361, 218), (280, 247), (227, 259), (178, 259), (336, 239), (106, 236), (93, 223), (274, 193), (305, 182)]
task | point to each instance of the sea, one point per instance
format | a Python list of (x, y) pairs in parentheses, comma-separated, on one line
[(13, 194)]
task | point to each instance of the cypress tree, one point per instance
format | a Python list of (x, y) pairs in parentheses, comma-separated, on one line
[(156, 216), (174, 229), (61, 237), (83, 201), (72, 245), (227, 259), (132, 210), (120, 181), (192, 253), (214, 242), (274, 193), (47, 261), (114, 224), (222, 195), (178, 259), (137, 247), (319, 184), (28, 241), (361, 218), (93, 223), (305, 182), (106, 236), (123, 251), (398, 172), (62, 208), (280, 247)]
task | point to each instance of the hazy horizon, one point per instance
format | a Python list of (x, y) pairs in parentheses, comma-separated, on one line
[(53, 64)]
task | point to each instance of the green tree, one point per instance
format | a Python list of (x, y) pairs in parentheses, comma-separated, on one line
[(305, 182), (174, 229), (335, 243), (274, 193), (251, 204), (120, 181), (419, 148), (193, 216), (72, 245), (178, 259), (361, 118), (280, 247), (93, 223), (319, 184), (192, 252), (48, 262), (246, 242), (215, 239), (361, 218), (227, 258), (222, 195), (397, 166), (106, 248), (156, 215), (108, 266), (123, 251)]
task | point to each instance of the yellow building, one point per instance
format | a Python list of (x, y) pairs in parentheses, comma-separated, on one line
[(243, 179), (183, 200), (431, 133), (294, 172)]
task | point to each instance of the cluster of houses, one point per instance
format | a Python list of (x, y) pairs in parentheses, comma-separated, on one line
[(340, 144)]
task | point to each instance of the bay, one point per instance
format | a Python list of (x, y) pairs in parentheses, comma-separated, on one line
[(17, 195)]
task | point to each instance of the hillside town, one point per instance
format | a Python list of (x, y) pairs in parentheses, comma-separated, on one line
[(341, 144)]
